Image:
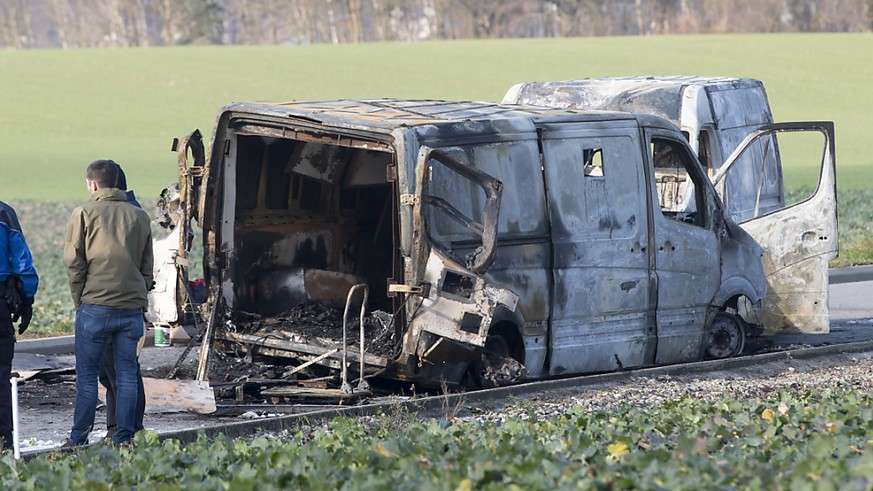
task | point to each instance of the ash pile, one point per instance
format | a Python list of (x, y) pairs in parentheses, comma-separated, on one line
[(298, 353)]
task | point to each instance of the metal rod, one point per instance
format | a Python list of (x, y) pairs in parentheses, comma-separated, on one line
[(361, 384), (346, 388), (311, 362), (15, 436), (200, 330), (205, 347)]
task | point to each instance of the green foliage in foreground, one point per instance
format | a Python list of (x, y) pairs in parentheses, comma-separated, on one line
[(797, 441)]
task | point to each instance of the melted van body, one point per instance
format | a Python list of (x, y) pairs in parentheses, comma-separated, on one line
[(714, 113), (495, 242), (729, 125)]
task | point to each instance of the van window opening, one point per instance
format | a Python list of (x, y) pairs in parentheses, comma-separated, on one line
[(593, 162), (756, 177), (679, 197), (704, 151)]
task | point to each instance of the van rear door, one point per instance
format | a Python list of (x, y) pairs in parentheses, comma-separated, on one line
[(191, 159), (798, 240)]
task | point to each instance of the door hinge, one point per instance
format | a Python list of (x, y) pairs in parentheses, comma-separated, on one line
[(409, 200), (422, 289)]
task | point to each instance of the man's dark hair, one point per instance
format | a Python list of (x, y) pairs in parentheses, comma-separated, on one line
[(103, 172)]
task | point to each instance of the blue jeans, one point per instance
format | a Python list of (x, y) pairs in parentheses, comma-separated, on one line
[(95, 326)]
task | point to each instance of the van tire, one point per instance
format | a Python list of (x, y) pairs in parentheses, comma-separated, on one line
[(498, 345), (495, 353), (726, 336)]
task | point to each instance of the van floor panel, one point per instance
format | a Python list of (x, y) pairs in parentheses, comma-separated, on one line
[(322, 326)]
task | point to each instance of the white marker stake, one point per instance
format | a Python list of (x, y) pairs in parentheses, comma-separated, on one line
[(15, 445)]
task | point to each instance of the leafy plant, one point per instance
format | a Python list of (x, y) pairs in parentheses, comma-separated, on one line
[(791, 440)]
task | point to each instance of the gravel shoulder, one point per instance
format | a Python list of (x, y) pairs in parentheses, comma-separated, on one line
[(755, 382)]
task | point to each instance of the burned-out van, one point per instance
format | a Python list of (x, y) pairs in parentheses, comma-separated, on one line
[(728, 123), (431, 241)]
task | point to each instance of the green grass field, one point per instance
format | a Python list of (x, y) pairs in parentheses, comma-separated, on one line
[(63, 109), (59, 110)]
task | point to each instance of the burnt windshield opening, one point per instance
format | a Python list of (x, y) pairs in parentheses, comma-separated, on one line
[(311, 220)]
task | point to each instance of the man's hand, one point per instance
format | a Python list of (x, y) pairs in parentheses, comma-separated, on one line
[(12, 293), (25, 312), (20, 306)]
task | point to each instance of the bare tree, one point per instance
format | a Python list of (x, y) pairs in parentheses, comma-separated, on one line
[(167, 12), (78, 23), (139, 19), (9, 29), (117, 30), (867, 16), (29, 37), (355, 34), (58, 11)]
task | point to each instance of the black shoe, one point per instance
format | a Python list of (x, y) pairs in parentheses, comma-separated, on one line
[(67, 443)]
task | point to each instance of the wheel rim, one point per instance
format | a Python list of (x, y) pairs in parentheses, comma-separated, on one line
[(726, 336), (494, 344), (498, 345)]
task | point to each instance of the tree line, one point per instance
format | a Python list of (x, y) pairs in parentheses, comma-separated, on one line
[(140, 23)]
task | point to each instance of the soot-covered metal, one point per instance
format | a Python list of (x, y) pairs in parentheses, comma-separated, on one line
[(446, 243)]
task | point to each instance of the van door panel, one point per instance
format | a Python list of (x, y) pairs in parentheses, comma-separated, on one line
[(460, 203), (522, 259), (601, 317), (798, 240), (191, 161), (686, 248)]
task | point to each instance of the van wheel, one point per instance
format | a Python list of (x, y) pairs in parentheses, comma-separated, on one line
[(494, 365), (727, 336), (497, 345)]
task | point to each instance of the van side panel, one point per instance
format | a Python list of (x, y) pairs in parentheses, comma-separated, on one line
[(601, 319)]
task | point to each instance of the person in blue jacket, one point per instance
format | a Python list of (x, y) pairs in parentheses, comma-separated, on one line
[(18, 284)]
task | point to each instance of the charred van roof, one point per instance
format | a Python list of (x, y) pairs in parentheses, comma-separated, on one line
[(651, 95), (389, 114)]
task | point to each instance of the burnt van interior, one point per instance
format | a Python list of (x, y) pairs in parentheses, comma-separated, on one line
[(311, 220)]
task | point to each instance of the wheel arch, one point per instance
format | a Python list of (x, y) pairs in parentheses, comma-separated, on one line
[(507, 323), (734, 288)]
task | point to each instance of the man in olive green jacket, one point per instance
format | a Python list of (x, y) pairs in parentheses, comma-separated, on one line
[(108, 254)]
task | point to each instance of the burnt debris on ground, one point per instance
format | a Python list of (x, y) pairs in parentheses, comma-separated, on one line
[(297, 353), (320, 325)]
